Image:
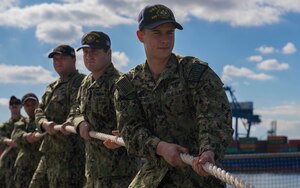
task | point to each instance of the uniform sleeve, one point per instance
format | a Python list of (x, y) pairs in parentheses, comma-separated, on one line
[(213, 114), (18, 134), (138, 139), (2, 133), (76, 114), (76, 83), (40, 116)]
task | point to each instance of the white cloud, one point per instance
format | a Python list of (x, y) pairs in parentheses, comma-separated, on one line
[(255, 58), (226, 78), (232, 71), (85, 13), (237, 13), (120, 60), (57, 33), (281, 110), (80, 64), (290, 128), (7, 4), (287, 117), (4, 101), (266, 49), (289, 48), (272, 64), (24, 74)]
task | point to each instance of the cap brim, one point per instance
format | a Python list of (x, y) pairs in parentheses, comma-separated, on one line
[(89, 46), (32, 98), (53, 53), (151, 26), (15, 102)]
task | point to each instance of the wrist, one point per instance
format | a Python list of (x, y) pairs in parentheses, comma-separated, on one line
[(160, 147)]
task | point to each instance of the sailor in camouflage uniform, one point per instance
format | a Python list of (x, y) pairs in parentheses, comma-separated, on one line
[(24, 137), (62, 163), (105, 168), (171, 105), (9, 155)]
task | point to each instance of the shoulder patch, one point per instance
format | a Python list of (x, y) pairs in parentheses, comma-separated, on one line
[(194, 68), (125, 86), (197, 70)]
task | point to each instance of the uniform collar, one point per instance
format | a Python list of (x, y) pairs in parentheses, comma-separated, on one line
[(169, 72), (108, 73)]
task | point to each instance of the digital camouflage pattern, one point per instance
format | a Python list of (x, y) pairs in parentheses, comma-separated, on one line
[(28, 156), (64, 158), (96, 106), (7, 169), (187, 106)]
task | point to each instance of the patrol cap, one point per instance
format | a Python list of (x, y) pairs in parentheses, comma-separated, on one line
[(28, 96), (14, 100), (62, 50), (95, 39), (154, 15)]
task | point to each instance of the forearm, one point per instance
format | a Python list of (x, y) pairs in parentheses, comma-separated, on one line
[(18, 137), (40, 118), (139, 140)]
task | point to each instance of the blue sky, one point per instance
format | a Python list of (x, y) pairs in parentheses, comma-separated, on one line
[(252, 45)]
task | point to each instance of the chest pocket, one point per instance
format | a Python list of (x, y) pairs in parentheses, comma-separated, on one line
[(98, 101), (59, 100), (149, 104), (175, 99)]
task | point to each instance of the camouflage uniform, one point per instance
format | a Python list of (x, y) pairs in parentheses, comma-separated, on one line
[(7, 169), (62, 163), (28, 156), (186, 106), (110, 168)]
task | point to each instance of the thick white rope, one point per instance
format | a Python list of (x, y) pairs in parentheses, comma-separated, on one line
[(218, 173), (93, 134), (188, 159)]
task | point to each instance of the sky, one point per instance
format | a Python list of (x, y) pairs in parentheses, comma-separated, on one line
[(252, 45)]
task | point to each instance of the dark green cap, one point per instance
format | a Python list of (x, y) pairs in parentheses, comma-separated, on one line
[(95, 39), (62, 50), (154, 15)]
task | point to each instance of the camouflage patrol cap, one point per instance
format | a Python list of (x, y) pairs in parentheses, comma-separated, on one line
[(62, 50), (95, 39), (14, 100), (154, 15), (28, 96)]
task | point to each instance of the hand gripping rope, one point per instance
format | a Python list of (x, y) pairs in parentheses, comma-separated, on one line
[(188, 159), (218, 173)]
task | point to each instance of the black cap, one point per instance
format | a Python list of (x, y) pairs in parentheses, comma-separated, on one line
[(62, 50), (95, 39), (29, 96), (154, 15), (14, 100)]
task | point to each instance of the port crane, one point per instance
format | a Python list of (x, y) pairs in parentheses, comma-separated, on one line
[(242, 111)]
